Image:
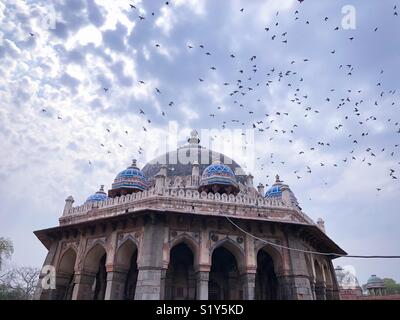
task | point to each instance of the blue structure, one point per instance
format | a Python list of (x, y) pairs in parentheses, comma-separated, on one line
[(218, 177), (128, 181), (98, 196)]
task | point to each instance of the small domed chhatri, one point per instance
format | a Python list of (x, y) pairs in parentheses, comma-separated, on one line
[(375, 280), (218, 177), (98, 196), (277, 191), (375, 286), (128, 181)]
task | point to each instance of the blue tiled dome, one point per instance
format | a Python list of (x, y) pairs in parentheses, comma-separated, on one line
[(98, 196), (218, 174), (128, 180), (274, 191)]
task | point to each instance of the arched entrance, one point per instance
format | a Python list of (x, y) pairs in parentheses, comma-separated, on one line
[(180, 281), (266, 281), (126, 263), (95, 266), (65, 275), (224, 282)]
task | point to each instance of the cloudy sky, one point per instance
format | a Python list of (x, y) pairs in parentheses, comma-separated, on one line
[(321, 100)]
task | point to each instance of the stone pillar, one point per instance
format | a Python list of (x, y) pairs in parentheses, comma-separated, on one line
[(249, 180), (40, 293), (148, 284), (321, 224), (160, 179), (62, 285), (260, 189), (163, 295), (285, 291), (150, 260), (83, 286), (299, 273), (68, 205), (115, 285), (202, 278), (329, 292), (195, 174), (249, 285), (320, 290), (335, 285), (312, 286)]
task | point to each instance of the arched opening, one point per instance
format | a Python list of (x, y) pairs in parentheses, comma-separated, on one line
[(320, 289), (65, 275), (127, 263), (180, 281), (95, 266), (224, 280), (266, 287)]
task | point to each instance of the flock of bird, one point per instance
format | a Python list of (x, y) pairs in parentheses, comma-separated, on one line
[(254, 79)]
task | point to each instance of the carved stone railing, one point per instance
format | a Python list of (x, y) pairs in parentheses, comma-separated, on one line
[(251, 205)]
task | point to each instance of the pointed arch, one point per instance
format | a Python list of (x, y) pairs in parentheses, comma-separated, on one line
[(234, 248), (124, 253), (190, 242), (95, 268), (93, 257), (67, 260), (276, 256), (65, 274), (126, 263)]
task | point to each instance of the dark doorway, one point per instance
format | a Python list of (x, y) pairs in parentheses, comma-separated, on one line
[(101, 280), (224, 283), (131, 278), (180, 282), (266, 281), (65, 276)]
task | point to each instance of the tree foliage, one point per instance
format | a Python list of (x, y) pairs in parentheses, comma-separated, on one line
[(6, 249), (19, 283), (16, 283), (391, 286)]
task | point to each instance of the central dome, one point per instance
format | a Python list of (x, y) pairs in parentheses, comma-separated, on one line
[(179, 162)]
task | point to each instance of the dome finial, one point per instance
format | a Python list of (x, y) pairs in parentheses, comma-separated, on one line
[(194, 137), (102, 188), (277, 178), (134, 163)]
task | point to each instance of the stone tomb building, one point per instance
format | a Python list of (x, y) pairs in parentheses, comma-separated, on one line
[(189, 231)]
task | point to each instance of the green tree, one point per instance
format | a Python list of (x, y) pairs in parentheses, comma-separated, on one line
[(391, 286), (6, 249)]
